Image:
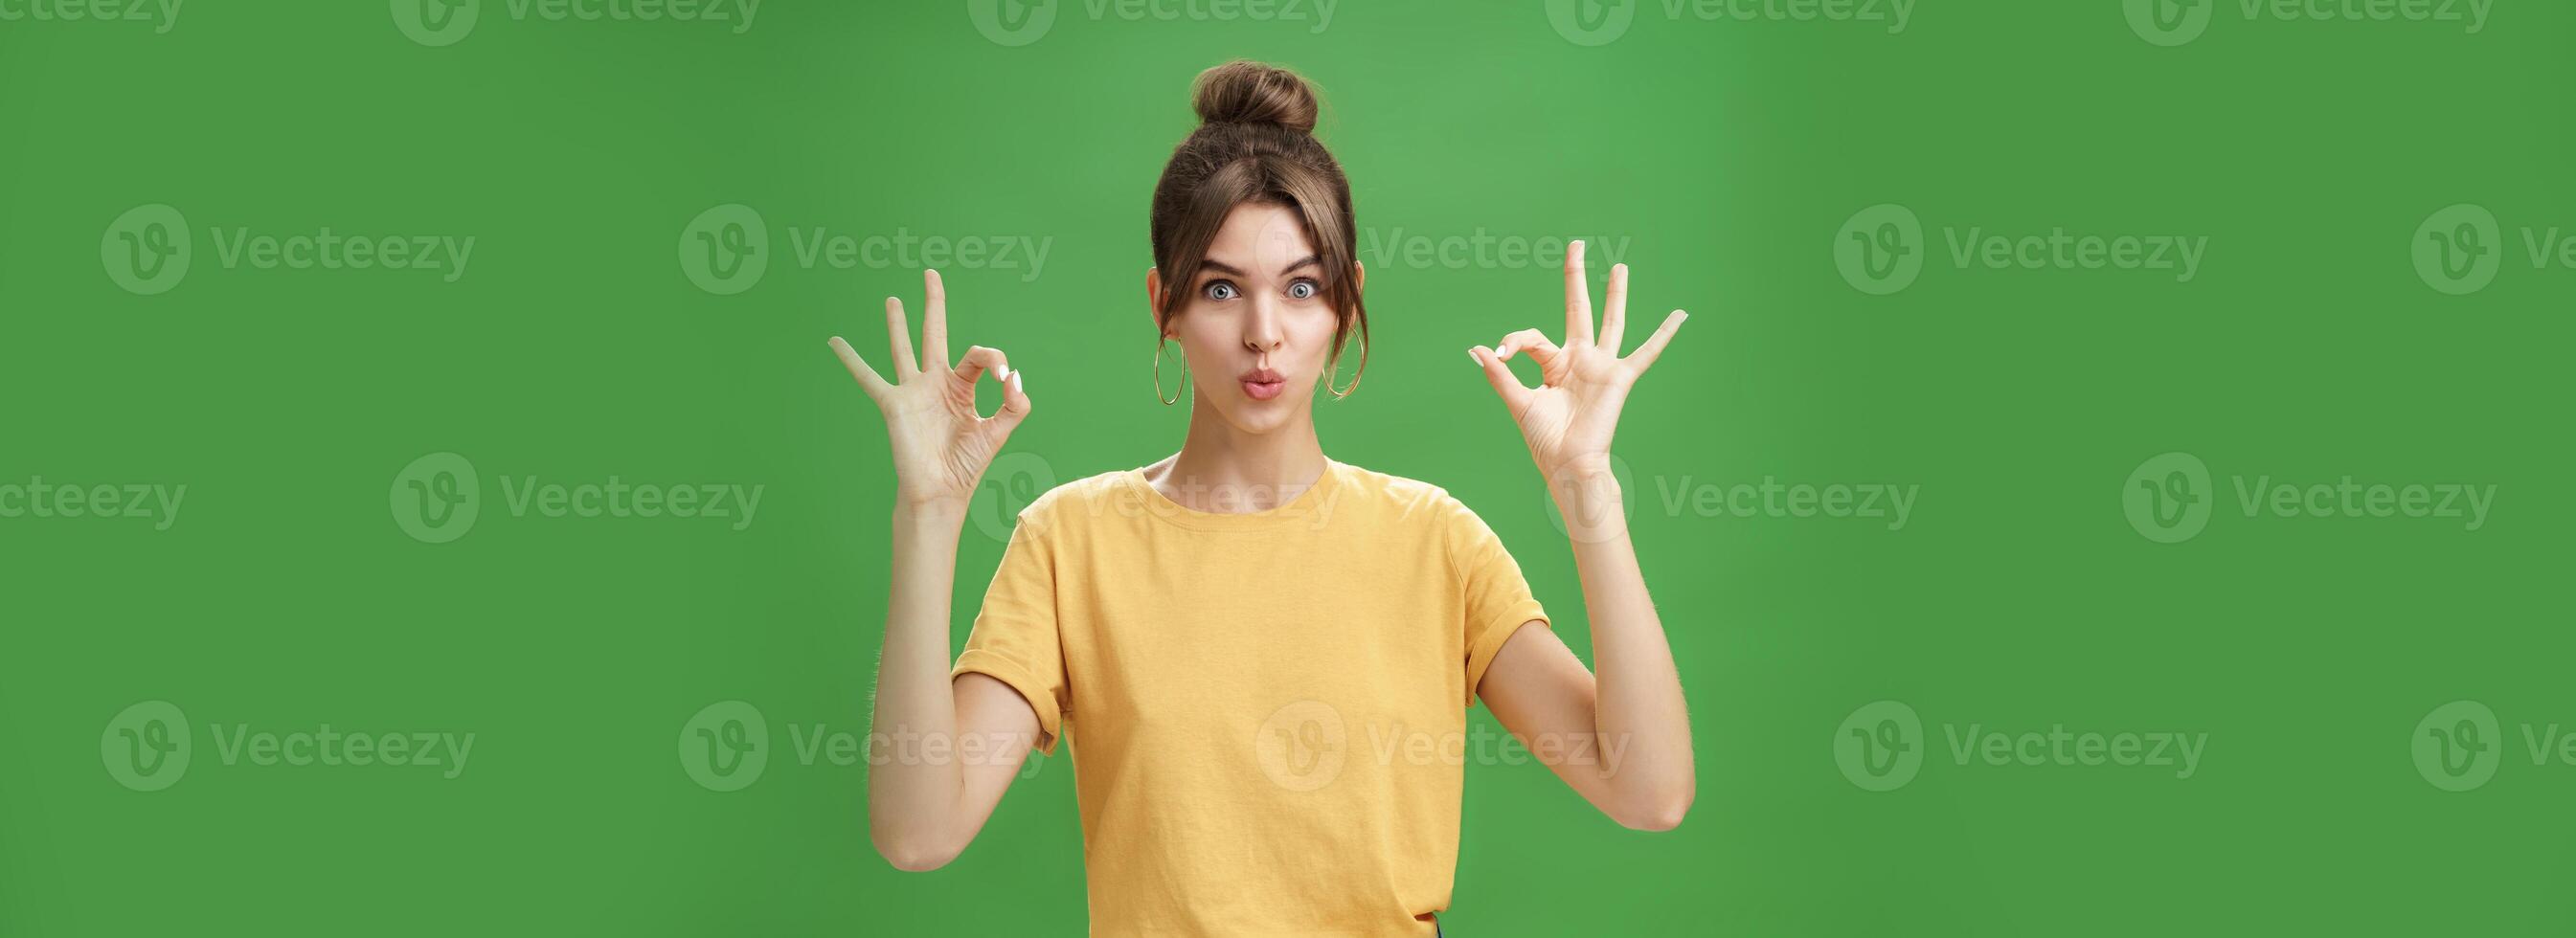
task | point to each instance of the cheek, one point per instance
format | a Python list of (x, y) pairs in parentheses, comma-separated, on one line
[(1316, 332)]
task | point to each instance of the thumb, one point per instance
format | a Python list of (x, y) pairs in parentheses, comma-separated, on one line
[(1506, 384)]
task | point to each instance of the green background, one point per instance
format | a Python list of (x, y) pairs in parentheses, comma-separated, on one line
[(1724, 153)]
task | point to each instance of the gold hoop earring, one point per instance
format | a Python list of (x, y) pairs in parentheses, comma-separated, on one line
[(1158, 375), (1355, 379)]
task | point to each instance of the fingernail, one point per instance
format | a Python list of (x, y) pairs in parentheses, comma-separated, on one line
[(1003, 373), (1018, 385), (1473, 357)]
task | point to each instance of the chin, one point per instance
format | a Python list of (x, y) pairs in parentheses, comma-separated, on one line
[(1251, 416)]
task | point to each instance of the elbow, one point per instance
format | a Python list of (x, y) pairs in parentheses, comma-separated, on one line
[(915, 854), (1661, 813)]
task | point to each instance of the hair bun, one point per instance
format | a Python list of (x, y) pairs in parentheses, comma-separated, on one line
[(1246, 92)]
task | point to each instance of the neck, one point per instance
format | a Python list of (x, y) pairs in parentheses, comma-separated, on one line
[(1222, 468)]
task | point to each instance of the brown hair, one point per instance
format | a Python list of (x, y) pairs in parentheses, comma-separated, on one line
[(1255, 145)]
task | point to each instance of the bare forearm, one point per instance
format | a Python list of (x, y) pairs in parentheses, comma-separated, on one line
[(1639, 706), (912, 801)]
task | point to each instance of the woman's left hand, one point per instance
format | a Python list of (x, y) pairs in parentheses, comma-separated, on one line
[(1569, 418)]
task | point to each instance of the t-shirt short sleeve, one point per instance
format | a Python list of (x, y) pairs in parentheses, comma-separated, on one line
[(1015, 638), (1497, 597)]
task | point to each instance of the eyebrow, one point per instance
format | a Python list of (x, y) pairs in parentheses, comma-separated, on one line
[(1221, 267)]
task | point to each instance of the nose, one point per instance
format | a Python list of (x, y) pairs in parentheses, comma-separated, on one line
[(1261, 330)]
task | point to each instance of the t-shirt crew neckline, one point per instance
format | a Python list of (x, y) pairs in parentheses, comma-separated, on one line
[(1301, 509)]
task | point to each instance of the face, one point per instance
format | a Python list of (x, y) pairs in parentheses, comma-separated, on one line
[(1256, 326)]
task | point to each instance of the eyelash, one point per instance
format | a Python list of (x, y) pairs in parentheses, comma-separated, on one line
[(1314, 289)]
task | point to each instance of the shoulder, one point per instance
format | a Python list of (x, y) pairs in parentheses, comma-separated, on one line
[(1071, 502), (1409, 501)]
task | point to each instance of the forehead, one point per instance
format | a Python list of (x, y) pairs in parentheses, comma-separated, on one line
[(1268, 237)]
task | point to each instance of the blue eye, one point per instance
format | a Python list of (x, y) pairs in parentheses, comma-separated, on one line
[(1218, 290), (1303, 289)]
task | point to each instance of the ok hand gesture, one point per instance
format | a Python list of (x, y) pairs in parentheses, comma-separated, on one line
[(1569, 418), (941, 445)]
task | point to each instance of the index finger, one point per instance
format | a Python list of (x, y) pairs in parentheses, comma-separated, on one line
[(1578, 296)]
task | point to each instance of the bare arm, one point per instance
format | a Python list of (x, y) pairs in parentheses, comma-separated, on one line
[(940, 752), (1621, 739)]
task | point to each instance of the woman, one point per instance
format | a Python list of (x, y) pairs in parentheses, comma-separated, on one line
[(1269, 653)]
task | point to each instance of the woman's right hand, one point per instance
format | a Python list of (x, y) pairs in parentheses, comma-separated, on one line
[(941, 446)]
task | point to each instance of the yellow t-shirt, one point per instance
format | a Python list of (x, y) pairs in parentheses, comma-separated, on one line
[(1272, 705)]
